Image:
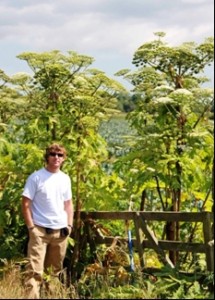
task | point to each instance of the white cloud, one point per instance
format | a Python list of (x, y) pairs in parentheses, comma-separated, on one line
[(111, 29)]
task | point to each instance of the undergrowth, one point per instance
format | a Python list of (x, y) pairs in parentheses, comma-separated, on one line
[(165, 285)]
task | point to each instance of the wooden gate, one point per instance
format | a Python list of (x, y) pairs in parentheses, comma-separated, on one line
[(145, 238)]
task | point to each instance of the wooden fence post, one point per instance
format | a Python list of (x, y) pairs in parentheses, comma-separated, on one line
[(139, 239), (208, 237)]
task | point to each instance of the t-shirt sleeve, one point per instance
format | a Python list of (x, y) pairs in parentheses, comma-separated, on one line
[(68, 191), (29, 188)]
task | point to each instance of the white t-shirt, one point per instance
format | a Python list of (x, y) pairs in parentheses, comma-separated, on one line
[(48, 191)]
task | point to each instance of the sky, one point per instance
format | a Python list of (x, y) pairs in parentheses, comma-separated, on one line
[(110, 31)]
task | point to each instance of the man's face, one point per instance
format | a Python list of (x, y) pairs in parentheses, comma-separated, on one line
[(55, 159)]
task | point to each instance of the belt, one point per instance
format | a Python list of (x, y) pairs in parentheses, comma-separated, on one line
[(63, 231)]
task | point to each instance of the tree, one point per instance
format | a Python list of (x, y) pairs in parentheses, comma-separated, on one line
[(64, 100), (174, 150)]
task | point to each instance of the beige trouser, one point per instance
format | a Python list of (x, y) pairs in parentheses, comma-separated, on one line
[(46, 253)]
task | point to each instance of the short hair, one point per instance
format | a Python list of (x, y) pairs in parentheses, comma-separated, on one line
[(54, 148)]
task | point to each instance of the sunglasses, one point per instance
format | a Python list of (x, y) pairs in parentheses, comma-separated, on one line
[(56, 154)]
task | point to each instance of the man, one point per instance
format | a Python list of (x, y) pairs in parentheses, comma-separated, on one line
[(48, 213)]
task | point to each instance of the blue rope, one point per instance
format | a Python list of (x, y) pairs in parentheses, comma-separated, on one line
[(130, 246)]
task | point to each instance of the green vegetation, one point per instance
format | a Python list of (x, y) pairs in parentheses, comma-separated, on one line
[(152, 148), (167, 285)]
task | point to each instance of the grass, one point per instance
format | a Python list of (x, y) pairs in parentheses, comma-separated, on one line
[(97, 286), (11, 285)]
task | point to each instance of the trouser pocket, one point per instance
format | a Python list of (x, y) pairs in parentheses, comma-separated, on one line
[(64, 232)]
